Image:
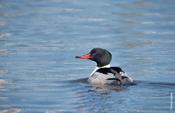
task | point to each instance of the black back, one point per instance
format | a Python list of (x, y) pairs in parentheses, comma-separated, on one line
[(113, 70), (119, 79)]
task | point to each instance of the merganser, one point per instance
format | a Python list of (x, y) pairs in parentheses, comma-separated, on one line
[(104, 74)]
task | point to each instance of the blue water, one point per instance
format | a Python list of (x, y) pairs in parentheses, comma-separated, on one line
[(39, 40)]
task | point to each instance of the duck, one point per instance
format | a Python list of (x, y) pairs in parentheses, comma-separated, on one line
[(104, 74)]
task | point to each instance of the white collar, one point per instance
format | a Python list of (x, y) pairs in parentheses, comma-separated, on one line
[(96, 68), (105, 66)]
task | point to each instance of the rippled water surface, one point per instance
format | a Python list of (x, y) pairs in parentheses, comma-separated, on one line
[(39, 40)]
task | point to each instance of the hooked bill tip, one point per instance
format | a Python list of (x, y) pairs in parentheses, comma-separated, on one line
[(77, 56)]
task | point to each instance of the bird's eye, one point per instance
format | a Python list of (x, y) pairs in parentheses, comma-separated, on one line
[(93, 52)]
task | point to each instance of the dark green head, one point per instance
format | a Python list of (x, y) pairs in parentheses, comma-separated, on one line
[(101, 56)]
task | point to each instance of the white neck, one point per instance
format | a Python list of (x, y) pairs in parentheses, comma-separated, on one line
[(96, 68)]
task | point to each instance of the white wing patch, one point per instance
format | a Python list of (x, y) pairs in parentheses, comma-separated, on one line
[(126, 75)]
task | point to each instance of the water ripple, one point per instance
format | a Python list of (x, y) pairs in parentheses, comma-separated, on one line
[(4, 34), (11, 110), (3, 52), (2, 23)]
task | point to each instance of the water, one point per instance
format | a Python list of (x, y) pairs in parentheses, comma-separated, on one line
[(39, 40)]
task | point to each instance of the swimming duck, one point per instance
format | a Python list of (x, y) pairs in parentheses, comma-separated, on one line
[(104, 74)]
